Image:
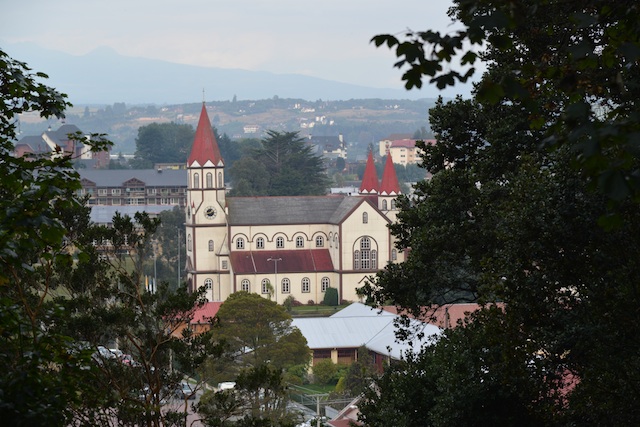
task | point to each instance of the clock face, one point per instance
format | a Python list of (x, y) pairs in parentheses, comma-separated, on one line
[(210, 212)]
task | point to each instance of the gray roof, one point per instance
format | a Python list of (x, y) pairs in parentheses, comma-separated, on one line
[(61, 135), (104, 214), (290, 210), (36, 143), (151, 177), (358, 325)]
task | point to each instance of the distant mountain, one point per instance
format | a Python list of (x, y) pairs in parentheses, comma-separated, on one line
[(104, 77)]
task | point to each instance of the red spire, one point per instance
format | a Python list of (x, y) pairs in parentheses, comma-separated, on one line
[(370, 178), (390, 184), (205, 147)]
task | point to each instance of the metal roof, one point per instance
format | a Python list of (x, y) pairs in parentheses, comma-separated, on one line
[(151, 177)]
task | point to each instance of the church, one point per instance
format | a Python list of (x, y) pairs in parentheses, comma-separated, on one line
[(278, 247)]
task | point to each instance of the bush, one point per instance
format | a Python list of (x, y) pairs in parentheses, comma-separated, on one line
[(324, 372), (331, 297), (311, 302)]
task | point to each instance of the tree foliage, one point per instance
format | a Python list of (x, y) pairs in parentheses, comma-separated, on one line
[(162, 143), (282, 166), (505, 222), (585, 53)]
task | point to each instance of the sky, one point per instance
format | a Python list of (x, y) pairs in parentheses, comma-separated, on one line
[(328, 39)]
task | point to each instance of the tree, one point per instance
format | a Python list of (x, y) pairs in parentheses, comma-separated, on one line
[(502, 221), (283, 166), (162, 143), (585, 53)]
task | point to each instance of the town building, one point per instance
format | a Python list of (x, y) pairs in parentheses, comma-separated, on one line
[(402, 151), (51, 143), (283, 247)]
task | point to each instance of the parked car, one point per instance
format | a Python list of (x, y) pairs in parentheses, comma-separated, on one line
[(185, 391)]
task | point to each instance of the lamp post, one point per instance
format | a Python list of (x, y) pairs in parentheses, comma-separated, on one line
[(275, 288)]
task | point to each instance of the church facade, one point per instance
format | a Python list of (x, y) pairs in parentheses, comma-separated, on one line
[(283, 246)]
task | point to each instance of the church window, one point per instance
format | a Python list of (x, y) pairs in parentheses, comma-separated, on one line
[(280, 242), (384, 205), (319, 242), (306, 285), (225, 265), (209, 180), (336, 241), (365, 218), (394, 254), (259, 243), (239, 243), (196, 180), (210, 245), (208, 284), (220, 183), (245, 285), (265, 286), (299, 242), (393, 204), (286, 286), (324, 284), (364, 258), (189, 243)]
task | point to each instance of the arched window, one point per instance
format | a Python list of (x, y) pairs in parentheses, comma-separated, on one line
[(265, 286), (299, 242), (208, 284), (336, 241), (260, 243), (286, 286), (394, 254), (393, 203), (319, 241), (280, 242), (365, 218), (384, 205), (210, 245), (325, 283), (365, 258), (239, 243), (196, 180), (209, 180), (306, 285), (189, 243), (220, 183), (245, 285)]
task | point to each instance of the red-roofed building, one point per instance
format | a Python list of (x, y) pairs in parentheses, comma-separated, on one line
[(282, 247), (402, 151)]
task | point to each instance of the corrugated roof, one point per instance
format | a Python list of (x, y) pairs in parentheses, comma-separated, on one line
[(358, 325), (290, 210), (289, 261), (206, 312), (151, 177)]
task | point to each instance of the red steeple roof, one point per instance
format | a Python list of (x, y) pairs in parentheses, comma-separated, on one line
[(205, 147), (390, 184), (370, 178)]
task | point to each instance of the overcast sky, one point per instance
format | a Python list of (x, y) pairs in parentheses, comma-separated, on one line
[(327, 38)]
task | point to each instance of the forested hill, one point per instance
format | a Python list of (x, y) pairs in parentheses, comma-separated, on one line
[(360, 121)]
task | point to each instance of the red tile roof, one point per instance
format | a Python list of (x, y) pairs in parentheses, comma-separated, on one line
[(205, 147), (406, 143), (390, 184), (370, 182), (289, 261)]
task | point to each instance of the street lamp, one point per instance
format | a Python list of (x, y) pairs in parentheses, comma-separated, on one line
[(275, 288)]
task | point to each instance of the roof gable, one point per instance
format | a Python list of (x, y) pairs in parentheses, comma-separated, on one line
[(390, 184), (370, 182), (204, 151)]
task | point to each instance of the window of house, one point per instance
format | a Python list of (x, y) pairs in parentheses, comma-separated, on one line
[(209, 180), (208, 284), (239, 243), (196, 180), (245, 285), (280, 242), (115, 191), (260, 243), (286, 286), (306, 285), (265, 286), (324, 284), (365, 218), (299, 242), (210, 245), (319, 242)]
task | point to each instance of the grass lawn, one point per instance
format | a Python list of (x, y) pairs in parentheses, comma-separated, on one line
[(315, 310)]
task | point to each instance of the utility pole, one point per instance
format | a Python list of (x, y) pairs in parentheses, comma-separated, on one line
[(275, 288)]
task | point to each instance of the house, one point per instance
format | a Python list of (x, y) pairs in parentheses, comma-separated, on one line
[(52, 143), (281, 247), (339, 336), (402, 151)]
